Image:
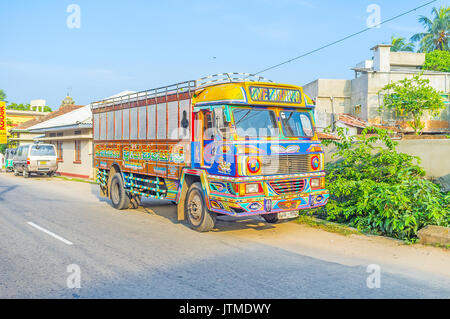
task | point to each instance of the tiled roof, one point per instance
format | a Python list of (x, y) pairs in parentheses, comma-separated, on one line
[(77, 115), (351, 120), (62, 110), (80, 115), (322, 136)]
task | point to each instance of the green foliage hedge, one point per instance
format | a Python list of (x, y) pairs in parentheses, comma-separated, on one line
[(379, 190), (437, 61)]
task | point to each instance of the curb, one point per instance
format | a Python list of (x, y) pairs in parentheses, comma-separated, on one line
[(434, 235)]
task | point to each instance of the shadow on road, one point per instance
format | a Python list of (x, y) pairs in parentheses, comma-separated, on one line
[(166, 209), (5, 190)]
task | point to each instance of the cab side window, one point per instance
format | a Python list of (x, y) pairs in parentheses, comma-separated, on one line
[(208, 126)]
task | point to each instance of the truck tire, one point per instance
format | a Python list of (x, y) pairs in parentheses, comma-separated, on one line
[(25, 173), (271, 218), (197, 214), (118, 195), (16, 172)]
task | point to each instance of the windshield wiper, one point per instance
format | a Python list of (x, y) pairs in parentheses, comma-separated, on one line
[(248, 112), (292, 113)]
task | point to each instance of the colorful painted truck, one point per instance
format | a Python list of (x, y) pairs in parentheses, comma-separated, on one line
[(227, 144)]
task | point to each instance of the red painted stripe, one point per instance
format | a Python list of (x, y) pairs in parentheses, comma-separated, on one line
[(73, 175)]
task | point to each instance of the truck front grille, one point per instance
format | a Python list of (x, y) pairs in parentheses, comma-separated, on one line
[(285, 164), (288, 187)]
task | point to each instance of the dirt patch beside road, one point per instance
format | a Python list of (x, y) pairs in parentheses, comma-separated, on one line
[(351, 250)]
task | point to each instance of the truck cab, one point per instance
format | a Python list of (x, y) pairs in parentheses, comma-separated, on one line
[(260, 150)]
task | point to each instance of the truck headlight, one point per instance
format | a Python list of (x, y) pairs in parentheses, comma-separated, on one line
[(253, 165), (314, 182), (251, 188)]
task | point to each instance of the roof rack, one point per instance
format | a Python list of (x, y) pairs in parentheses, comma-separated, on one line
[(229, 77), (179, 88), (182, 87)]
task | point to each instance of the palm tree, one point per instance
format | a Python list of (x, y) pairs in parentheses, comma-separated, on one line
[(398, 44), (437, 31), (2, 95)]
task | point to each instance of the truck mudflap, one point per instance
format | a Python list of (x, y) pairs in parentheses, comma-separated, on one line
[(183, 188), (102, 180)]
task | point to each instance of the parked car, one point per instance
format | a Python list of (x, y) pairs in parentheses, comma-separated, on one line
[(35, 158), (9, 154)]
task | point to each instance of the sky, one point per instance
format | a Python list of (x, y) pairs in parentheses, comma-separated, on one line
[(140, 45)]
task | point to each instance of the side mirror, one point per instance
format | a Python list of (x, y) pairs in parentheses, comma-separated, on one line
[(184, 121)]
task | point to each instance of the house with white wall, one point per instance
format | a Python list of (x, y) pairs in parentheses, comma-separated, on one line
[(71, 133), (361, 97)]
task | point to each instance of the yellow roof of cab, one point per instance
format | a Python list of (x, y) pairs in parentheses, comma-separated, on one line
[(253, 93)]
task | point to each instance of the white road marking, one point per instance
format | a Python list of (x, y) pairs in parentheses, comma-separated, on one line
[(65, 241)]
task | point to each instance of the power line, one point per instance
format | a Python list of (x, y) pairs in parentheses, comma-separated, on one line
[(343, 39)]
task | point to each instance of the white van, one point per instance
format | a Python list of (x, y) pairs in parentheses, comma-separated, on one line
[(35, 158)]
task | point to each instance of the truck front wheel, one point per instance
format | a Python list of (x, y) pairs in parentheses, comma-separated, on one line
[(119, 197), (196, 211)]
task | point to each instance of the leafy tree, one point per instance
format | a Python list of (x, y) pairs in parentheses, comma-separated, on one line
[(18, 107), (437, 61), (377, 189), (25, 107), (2, 95), (436, 32), (411, 97), (398, 45)]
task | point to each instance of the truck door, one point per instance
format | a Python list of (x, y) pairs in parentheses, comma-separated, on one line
[(208, 145)]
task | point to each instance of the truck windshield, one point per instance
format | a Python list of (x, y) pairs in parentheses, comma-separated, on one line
[(255, 123), (296, 124), (42, 150)]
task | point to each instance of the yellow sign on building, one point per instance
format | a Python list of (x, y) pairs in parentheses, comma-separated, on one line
[(3, 139)]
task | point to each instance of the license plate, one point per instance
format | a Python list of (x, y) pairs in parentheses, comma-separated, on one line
[(43, 163), (287, 215)]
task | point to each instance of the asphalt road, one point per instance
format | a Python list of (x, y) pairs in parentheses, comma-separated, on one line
[(46, 225)]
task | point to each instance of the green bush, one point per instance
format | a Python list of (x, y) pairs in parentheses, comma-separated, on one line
[(437, 61), (376, 189)]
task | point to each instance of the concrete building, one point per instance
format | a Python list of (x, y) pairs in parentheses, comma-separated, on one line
[(38, 105), (16, 117), (360, 96), (71, 133)]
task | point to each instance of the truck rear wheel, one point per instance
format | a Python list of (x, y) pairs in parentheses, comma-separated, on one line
[(118, 195), (271, 218), (195, 209)]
